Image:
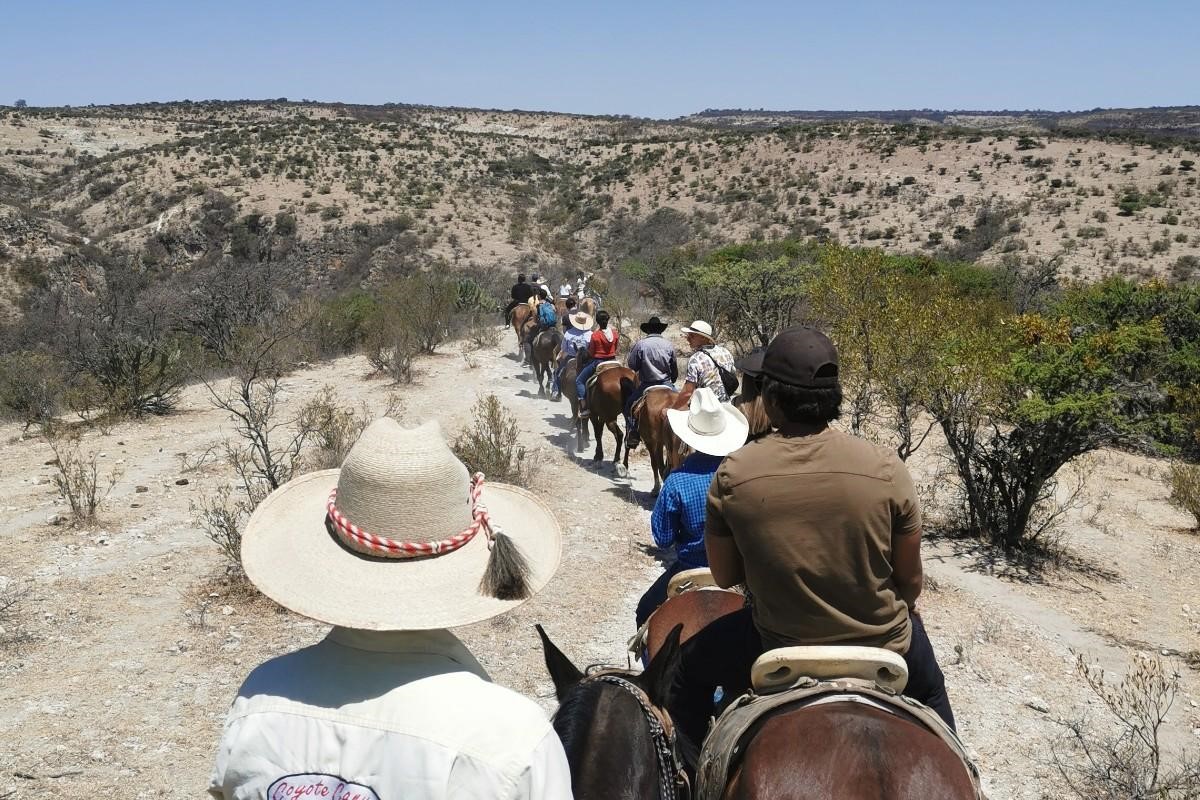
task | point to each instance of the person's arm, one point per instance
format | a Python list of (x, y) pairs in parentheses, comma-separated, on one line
[(634, 361), (673, 367), (591, 348), (664, 520), (548, 776), (907, 571), (724, 558)]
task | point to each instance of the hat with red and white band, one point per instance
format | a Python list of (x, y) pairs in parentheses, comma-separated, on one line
[(400, 538)]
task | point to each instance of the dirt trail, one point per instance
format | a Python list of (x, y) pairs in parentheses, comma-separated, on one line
[(122, 690)]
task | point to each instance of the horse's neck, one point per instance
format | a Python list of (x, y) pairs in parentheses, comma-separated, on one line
[(606, 737)]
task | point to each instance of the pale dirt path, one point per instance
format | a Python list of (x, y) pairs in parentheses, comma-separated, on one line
[(123, 690)]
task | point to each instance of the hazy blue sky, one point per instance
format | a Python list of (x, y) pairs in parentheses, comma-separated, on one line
[(645, 58)]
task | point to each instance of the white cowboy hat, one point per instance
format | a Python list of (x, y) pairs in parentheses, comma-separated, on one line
[(709, 425), (395, 539), (700, 328), (582, 320)]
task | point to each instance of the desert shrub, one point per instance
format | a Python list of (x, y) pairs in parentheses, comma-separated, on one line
[(331, 429), (31, 387), (1123, 757), (1183, 479), (12, 594), (78, 479), (423, 304), (222, 517), (342, 324), (491, 444)]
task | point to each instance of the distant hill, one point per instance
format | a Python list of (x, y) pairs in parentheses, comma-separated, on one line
[(1182, 121)]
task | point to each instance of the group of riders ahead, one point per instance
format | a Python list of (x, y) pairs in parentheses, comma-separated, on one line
[(821, 529)]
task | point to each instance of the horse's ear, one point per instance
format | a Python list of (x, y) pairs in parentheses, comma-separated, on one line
[(563, 673), (659, 677)]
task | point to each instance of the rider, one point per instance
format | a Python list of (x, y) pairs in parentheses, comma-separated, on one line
[(713, 430), (824, 530), (539, 282), (521, 292), (749, 400), (564, 289), (577, 331), (602, 346), (709, 365), (653, 359), (545, 317), (569, 306)]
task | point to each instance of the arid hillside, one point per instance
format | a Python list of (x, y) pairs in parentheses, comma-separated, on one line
[(492, 187)]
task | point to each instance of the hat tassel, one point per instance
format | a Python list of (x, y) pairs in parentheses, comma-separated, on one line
[(507, 573)]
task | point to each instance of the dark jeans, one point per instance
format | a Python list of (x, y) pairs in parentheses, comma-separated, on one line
[(722, 654), (582, 378), (631, 428), (656, 595)]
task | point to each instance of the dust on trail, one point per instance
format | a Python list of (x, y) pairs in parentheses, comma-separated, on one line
[(124, 687)]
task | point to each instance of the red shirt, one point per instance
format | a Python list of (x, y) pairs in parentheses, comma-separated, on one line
[(600, 348)]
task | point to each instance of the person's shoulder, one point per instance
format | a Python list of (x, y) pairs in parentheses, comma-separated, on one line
[(874, 458)]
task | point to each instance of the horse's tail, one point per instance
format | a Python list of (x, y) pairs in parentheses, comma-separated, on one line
[(628, 385)]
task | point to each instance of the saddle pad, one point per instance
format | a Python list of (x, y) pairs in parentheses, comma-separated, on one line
[(724, 745), (605, 366), (641, 402)]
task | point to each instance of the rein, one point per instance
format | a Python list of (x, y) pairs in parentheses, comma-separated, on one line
[(672, 779)]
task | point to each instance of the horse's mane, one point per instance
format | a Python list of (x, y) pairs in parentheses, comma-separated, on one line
[(575, 714)]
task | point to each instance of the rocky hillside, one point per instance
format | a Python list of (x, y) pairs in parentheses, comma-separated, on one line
[(465, 187)]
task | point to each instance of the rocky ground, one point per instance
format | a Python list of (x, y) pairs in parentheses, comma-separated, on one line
[(134, 647)]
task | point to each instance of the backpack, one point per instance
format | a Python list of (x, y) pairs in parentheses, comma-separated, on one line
[(729, 378), (546, 315)]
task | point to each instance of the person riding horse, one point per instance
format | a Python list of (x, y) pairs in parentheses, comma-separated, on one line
[(824, 530), (602, 346), (653, 359), (577, 331), (520, 292), (713, 430), (545, 318)]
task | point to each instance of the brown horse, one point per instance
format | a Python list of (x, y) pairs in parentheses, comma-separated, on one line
[(543, 355), (692, 610), (619, 742), (589, 306), (661, 443), (606, 404), (567, 386), (846, 750), (521, 315)]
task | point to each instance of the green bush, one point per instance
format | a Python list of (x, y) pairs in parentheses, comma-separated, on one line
[(491, 444), (31, 387), (1184, 481)]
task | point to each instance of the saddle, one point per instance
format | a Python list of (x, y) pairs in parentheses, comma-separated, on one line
[(806, 676), (637, 407), (604, 366)]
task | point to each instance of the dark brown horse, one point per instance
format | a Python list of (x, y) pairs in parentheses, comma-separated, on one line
[(606, 404), (848, 751), (619, 742), (656, 434), (691, 611), (567, 386), (543, 355)]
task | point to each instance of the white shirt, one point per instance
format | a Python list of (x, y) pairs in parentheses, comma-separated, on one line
[(564, 290), (369, 715)]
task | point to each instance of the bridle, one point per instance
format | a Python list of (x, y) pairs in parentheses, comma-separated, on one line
[(673, 782)]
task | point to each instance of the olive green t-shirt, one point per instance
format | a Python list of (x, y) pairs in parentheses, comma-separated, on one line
[(813, 517)]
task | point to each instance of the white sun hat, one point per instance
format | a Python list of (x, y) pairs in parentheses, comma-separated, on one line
[(709, 425), (701, 328), (400, 538)]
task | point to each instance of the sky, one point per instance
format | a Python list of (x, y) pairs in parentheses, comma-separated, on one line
[(647, 58)]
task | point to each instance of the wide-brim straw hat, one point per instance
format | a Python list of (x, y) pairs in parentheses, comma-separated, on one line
[(700, 328), (708, 425), (402, 487), (581, 320)]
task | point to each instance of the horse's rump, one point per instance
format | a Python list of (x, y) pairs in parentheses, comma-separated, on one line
[(693, 609), (835, 719)]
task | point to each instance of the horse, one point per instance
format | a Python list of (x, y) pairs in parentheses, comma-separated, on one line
[(567, 386), (589, 306), (543, 355), (606, 404), (661, 443), (620, 743), (847, 750), (520, 315)]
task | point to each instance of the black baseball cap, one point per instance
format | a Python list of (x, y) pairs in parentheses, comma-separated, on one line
[(802, 357), (752, 363)]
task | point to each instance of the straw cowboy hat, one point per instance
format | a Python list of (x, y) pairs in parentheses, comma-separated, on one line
[(700, 328), (400, 538), (582, 320), (709, 425), (653, 325)]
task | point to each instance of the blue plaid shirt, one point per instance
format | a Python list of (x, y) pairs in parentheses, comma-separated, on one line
[(678, 517)]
